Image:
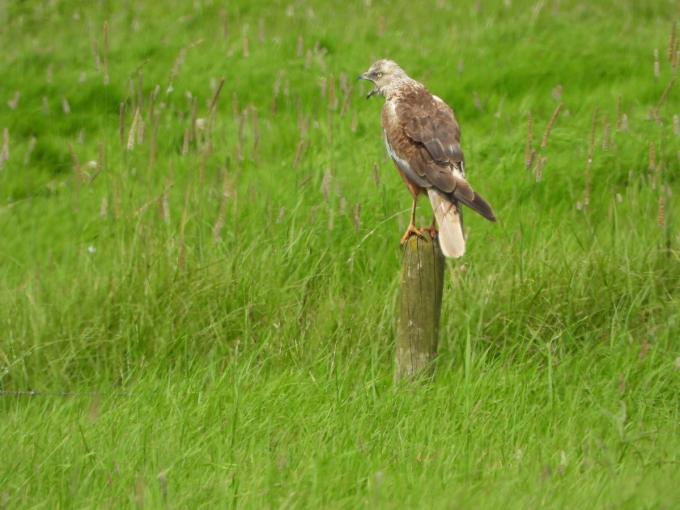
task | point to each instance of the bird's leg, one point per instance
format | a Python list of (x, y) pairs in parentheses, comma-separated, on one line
[(411, 230), (432, 230)]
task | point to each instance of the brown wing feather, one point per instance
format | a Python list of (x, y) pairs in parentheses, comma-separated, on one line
[(430, 123)]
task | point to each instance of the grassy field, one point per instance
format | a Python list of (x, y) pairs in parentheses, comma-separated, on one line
[(198, 281)]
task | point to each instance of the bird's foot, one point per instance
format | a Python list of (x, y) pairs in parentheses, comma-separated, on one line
[(411, 231), (432, 231)]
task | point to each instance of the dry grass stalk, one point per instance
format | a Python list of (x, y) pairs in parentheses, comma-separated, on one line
[(657, 66), (589, 162), (192, 118), (658, 176), (154, 96), (557, 93), (355, 122), (255, 130), (132, 94), (77, 169), (121, 124), (676, 125), (346, 102), (29, 150), (661, 214), (181, 257), (245, 46), (343, 204), (376, 174), (538, 172), (326, 182), (297, 101), (153, 150), (664, 95), (356, 217), (95, 54), (116, 199), (275, 95), (303, 127), (235, 112), (331, 217), (132, 134), (227, 190), (242, 133), (65, 106), (529, 152), (139, 90), (332, 98), (78, 176), (104, 208), (299, 152), (606, 141), (322, 88), (205, 154), (100, 163), (164, 203), (499, 109), (213, 106), (651, 157), (549, 126), (225, 23), (672, 43), (14, 102), (477, 101), (346, 92), (4, 153), (286, 91), (261, 30), (381, 26), (300, 47), (186, 140), (105, 34), (140, 490), (176, 67), (140, 131), (593, 134)]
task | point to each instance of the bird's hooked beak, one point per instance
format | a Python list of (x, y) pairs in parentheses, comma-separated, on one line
[(366, 76)]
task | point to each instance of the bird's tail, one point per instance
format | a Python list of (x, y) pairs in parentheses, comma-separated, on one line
[(450, 222)]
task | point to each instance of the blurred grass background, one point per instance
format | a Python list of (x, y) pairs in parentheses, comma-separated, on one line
[(199, 276)]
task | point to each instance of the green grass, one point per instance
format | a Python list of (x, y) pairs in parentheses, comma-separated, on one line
[(181, 364)]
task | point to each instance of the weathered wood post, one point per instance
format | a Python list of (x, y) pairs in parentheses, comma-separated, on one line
[(420, 303)]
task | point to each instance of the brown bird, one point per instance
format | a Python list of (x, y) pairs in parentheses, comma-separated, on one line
[(423, 139)]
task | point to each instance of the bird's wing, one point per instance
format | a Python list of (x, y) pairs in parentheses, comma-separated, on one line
[(429, 120), (429, 123)]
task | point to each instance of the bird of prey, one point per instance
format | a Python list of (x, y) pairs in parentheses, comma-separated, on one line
[(423, 139)]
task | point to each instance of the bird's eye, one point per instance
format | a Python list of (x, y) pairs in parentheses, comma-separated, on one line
[(379, 75)]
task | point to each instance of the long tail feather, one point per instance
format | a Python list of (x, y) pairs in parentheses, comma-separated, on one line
[(451, 238)]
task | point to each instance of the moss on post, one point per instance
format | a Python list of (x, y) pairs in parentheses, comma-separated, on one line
[(420, 302)]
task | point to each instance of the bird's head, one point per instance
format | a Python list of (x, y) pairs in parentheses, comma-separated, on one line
[(383, 74)]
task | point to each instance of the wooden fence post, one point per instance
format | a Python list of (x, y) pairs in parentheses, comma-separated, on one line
[(420, 303)]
